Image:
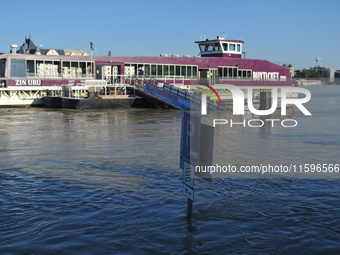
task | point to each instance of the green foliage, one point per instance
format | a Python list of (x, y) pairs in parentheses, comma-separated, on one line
[(317, 75), (303, 74)]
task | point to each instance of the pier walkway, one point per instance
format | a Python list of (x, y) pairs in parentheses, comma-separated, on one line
[(171, 97)]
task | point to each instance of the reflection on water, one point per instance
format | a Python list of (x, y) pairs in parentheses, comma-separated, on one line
[(108, 181)]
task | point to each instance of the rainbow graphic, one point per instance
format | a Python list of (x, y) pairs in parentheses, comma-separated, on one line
[(211, 95)]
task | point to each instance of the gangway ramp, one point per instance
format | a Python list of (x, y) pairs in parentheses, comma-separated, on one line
[(172, 97)]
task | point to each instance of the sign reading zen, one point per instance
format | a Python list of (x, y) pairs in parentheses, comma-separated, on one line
[(28, 82)]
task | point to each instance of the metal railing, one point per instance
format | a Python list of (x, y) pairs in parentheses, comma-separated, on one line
[(59, 75)]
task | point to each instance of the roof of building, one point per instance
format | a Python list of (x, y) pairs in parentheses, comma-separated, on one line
[(29, 47)]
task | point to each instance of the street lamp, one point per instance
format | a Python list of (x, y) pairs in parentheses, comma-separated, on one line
[(93, 48)]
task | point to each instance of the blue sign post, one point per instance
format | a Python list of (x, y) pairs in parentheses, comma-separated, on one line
[(190, 149), (190, 139), (197, 143)]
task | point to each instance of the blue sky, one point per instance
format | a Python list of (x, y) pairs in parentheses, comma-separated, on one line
[(287, 31)]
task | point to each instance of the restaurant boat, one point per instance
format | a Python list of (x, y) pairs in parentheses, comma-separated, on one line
[(28, 73)]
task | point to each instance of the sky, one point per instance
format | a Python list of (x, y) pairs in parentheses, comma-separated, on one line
[(290, 31)]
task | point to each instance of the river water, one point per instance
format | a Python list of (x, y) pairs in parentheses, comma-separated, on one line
[(108, 182)]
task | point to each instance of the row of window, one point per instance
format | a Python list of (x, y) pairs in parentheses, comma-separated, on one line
[(54, 68), (213, 47), (161, 71), (35, 65), (49, 68), (230, 73)]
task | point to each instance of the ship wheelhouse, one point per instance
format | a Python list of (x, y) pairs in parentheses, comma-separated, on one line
[(221, 48), (228, 68)]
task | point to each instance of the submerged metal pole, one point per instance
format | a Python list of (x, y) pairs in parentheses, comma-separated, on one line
[(189, 208)]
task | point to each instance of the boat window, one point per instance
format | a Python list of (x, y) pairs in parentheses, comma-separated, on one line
[(2, 68), (238, 47), (202, 47), (30, 68), (65, 63), (147, 70), (194, 71), (230, 73), (235, 72), (217, 46), (140, 69), (210, 47), (166, 70), (82, 67), (40, 70), (225, 73), (220, 72), (232, 47), (225, 46), (178, 71), (89, 69), (134, 69), (159, 69), (189, 71), (18, 68), (153, 70), (184, 73), (172, 70)]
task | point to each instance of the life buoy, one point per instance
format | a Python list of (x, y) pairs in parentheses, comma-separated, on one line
[(89, 68)]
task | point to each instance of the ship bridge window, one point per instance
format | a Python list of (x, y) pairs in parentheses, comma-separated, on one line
[(202, 47), (225, 46), (238, 48), (231, 47), (217, 46), (2, 68), (211, 47)]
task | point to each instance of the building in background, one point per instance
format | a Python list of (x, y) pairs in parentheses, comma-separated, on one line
[(29, 47), (317, 75)]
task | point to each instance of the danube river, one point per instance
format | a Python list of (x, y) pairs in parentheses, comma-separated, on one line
[(108, 182)]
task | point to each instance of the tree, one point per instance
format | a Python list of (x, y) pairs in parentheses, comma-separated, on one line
[(317, 75)]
